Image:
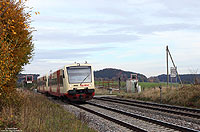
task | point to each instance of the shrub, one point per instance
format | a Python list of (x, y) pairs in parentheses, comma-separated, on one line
[(16, 48)]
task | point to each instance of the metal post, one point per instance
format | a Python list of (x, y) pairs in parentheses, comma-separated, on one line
[(160, 94), (167, 66), (171, 82), (119, 83), (103, 83)]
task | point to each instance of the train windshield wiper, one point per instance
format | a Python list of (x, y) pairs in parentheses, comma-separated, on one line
[(85, 78)]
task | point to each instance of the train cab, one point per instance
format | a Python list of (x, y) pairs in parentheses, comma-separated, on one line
[(73, 82), (29, 79)]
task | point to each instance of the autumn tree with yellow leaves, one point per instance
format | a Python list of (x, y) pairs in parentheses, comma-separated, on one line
[(16, 45)]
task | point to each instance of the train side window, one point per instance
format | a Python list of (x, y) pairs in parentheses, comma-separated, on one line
[(61, 81), (63, 74)]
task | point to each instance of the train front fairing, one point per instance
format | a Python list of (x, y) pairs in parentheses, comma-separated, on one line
[(80, 82)]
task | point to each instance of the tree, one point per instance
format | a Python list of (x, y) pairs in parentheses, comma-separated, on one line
[(16, 46)]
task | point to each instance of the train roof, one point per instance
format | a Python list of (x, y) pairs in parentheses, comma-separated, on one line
[(46, 75), (70, 65), (78, 64)]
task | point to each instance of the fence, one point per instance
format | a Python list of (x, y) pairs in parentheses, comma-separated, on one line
[(106, 84)]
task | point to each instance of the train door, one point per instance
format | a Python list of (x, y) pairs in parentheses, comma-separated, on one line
[(38, 84), (47, 87), (43, 84), (58, 82), (50, 80)]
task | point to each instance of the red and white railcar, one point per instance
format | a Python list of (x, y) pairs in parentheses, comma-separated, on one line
[(29, 79), (74, 82)]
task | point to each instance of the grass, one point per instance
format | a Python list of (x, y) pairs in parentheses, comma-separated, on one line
[(188, 96), (103, 91), (144, 85), (39, 114)]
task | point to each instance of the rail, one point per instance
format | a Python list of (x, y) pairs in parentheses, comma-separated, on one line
[(158, 122), (138, 104)]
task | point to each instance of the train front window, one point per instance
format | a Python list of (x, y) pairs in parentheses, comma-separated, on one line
[(29, 78), (79, 74)]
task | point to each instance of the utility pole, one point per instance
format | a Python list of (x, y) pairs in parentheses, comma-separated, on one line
[(167, 50)]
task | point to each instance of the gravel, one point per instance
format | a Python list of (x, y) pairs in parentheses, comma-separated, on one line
[(102, 125), (141, 124), (167, 117), (96, 122)]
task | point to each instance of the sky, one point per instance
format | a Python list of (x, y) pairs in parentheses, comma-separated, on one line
[(131, 35)]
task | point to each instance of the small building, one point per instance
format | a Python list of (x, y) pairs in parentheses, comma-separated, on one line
[(132, 84)]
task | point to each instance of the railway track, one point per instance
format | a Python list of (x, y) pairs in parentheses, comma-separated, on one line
[(146, 121), (122, 123), (194, 113)]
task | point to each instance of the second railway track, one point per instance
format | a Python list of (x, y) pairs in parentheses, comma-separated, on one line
[(145, 123), (129, 120), (194, 113)]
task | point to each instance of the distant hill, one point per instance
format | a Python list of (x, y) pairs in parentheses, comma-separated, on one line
[(111, 73), (186, 78)]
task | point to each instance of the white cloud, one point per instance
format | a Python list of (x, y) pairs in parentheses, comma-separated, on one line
[(126, 34)]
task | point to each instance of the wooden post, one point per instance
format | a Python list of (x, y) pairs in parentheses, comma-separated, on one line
[(167, 66)]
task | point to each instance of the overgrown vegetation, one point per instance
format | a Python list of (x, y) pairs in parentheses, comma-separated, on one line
[(24, 111), (188, 95), (39, 114), (16, 48)]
